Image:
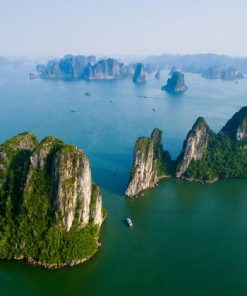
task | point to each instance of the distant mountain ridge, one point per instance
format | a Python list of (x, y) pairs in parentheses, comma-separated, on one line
[(197, 63), (90, 67)]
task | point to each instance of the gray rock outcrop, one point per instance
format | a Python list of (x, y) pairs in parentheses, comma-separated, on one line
[(175, 84), (148, 164), (140, 75), (194, 146)]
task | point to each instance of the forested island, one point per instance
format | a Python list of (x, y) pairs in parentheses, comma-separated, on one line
[(50, 209), (175, 84), (226, 74), (84, 67), (206, 156)]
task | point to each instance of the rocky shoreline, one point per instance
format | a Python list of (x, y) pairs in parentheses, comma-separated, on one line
[(33, 262)]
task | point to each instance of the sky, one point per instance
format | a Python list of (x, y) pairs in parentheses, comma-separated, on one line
[(126, 27)]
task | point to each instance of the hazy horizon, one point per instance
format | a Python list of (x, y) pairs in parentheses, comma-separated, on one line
[(116, 28)]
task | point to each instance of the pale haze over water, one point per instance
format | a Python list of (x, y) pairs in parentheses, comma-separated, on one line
[(113, 27)]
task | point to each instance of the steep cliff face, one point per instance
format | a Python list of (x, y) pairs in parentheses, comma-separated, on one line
[(206, 156), (47, 191), (194, 146), (72, 175), (82, 67), (70, 172), (140, 74), (175, 84), (68, 67), (106, 69), (216, 72), (236, 127), (150, 163)]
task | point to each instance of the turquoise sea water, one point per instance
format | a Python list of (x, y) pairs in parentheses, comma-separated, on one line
[(187, 239)]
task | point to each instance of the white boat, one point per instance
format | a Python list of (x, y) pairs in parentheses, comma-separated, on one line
[(129, 222)]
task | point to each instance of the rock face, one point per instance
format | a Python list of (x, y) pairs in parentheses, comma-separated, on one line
[(82, 67), (231, 74), (206, 156), (216, 72), (157, 75), (236, 127), (140, 75), (150, 163), (71, 175), (50, 189), (105, 69), (194, 146), (175, 84)]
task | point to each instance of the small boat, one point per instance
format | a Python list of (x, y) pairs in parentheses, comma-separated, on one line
[(129, 222), (87, 93)]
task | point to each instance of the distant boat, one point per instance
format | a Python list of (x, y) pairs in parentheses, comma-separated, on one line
[(87, 93), (129, 222)]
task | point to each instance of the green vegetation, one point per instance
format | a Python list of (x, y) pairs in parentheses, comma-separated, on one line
[(161, 159), (239, 120), (223, 158), (31, 227), (163, 163), (143, 144)]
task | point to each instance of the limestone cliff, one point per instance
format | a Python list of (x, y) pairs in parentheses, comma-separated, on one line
[(216, 72), (106, 69), (175, 84), (150, 163), (140, 75), (194, 146), (46, 191), (205, 157), (70, 172), (236, 127), (82, 67)]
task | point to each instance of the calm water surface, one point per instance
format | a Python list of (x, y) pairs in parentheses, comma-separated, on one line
[(187, 239)]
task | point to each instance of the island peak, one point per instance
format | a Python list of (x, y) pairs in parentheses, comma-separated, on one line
[(175, 84), (51, 210), (206, 156)]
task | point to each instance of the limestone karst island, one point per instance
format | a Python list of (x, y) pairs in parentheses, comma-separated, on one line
[(205, 157), (51, 210), (123, 148)]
